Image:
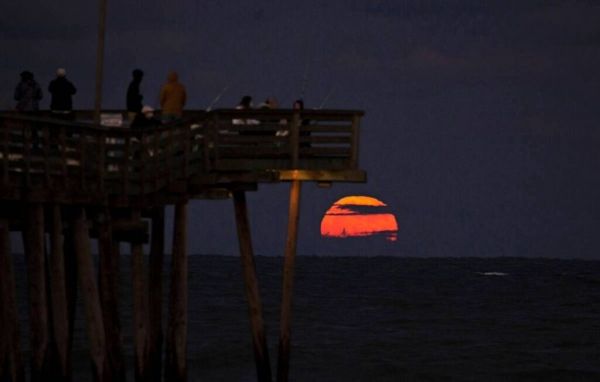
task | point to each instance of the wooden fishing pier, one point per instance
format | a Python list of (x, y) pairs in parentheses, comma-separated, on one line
[(66, 184)]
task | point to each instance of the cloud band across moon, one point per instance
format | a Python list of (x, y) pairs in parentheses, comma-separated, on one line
[(359, 216)]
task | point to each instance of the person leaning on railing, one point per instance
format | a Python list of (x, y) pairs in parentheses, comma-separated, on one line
[(145, 119)]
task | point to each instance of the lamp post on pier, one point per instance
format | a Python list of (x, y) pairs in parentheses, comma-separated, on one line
[(100, 59)]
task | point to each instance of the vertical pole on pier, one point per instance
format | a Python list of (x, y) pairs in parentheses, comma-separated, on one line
[(109, 297), (100, 59), (90, 295), (33, 240), (11, 366), (157, 250), (259, 341), (176, 341), (140, 307), (58, 296), (283, 364)]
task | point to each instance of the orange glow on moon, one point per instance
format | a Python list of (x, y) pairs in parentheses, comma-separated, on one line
[(356, 216)]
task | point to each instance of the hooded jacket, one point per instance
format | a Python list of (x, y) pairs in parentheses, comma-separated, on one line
[(27, 94), (172, 96)]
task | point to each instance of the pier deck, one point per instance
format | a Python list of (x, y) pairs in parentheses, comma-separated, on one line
[(65, 181)]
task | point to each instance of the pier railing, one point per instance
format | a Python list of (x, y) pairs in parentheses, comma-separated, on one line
[(58, 156)]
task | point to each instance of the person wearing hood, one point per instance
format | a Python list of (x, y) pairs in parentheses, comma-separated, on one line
[(134, 97), (172, 99), (61, 90), (28, 93)]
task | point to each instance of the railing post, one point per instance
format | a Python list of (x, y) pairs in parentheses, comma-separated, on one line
[(214, 141), (46, 156), (156, 159), (101, 164), (295, 139), (355, 140), (5, 153), (82, 156), (170, 153), (27, 132), (63, 154), (125, 165), (142, 155)]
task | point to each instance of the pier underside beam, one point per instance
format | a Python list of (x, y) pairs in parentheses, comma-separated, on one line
[(259, 341)]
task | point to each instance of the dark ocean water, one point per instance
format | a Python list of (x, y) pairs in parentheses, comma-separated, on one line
[(392, 319)]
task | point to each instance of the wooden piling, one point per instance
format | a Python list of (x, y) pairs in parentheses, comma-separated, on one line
[(176, 340), (33, 240), (140, 308), (157, 250), (109, 297), (11, 365), (71, 284), (257, 325), (3, 334), (283, 364), (90, 294), (58, 292)]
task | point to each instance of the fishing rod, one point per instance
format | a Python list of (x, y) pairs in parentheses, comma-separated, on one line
[(218, 97), (331, 90), (309, 59)]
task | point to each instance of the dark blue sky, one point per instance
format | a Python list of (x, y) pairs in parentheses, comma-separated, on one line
[(481, 132)]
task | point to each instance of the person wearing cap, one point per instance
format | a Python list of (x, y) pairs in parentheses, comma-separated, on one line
[(61, 91), (28, 93), (172, 99), (134, 97), (145, 118)]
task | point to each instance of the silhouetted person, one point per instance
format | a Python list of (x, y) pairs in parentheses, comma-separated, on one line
[(28, 93), (245, 104), (62, 91), (269, 104), (172, 99), (304, 134), (134, 97)]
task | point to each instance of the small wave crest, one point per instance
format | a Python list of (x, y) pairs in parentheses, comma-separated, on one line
[(492, 273)]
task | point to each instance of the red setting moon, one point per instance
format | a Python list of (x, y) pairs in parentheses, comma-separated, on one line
[(359, 216)]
